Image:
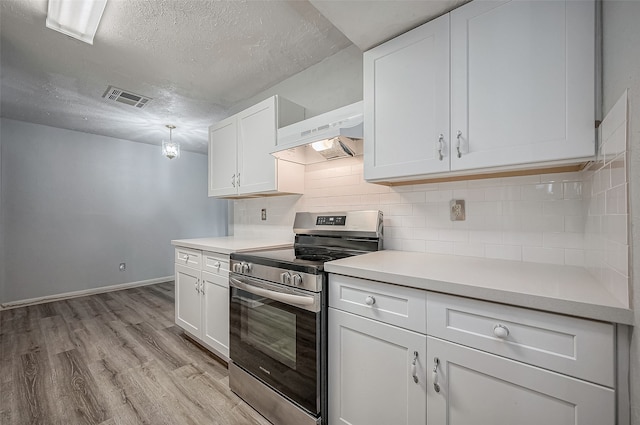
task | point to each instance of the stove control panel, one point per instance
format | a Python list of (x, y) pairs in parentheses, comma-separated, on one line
[(331, 220)]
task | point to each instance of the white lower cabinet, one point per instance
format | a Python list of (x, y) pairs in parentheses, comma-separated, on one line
[(215, 332), (188, 300), (371, 370), (474, 387), (474, 362), (202, 298)]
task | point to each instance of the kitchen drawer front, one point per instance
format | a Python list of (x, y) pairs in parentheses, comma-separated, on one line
[(188, 257), (575, 347), (392, 304), (215, 263)]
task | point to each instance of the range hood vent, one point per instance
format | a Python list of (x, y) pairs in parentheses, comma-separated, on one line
[(128, 98), (332, 135)]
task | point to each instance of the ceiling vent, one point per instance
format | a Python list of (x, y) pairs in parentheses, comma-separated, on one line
[(118, 95)]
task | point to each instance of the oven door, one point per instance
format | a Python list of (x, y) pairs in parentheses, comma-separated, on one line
[(275, 335)]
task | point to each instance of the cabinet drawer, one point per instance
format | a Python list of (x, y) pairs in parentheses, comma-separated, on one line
[(576, 347), (215, 263), (396, 305), (188, 257)]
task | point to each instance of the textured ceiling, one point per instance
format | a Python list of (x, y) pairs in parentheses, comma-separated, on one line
[(194, 58)]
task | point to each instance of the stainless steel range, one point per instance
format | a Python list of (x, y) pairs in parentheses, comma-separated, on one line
[(278, 315)]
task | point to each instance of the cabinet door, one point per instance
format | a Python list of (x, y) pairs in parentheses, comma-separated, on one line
[(215, 306), (522, 82), (188, 304), (406, 103), (256, 138), (481, 388), (222, 158), (370, 372)]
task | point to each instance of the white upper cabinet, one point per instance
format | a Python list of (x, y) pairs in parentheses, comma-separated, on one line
[(522, 82), (406, 103), (223, 158), (521, 92), (239, 159)]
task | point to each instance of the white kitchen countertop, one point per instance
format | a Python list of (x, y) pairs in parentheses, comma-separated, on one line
[(560, 289), (229, 244)]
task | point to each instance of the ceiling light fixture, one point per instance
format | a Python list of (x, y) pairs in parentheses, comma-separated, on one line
[(76, 18), (170, 149)]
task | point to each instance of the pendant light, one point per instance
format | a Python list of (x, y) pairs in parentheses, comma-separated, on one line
[(170, 149)]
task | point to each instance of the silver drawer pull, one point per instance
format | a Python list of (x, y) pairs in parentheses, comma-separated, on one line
[(458, 147), (440, 146), (414, 367), (501, 331), (434, 375), (369, 300)]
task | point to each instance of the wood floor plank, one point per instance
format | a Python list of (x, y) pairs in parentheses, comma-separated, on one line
[(56, 334), (147, 336), (79, 385), (111, 359), (32, 375)]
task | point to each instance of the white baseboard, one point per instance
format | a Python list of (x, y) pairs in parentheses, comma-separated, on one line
[(82, 293)]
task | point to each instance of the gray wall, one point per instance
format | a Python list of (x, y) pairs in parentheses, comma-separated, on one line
[(621, 70), (75, 205), (330, 84)]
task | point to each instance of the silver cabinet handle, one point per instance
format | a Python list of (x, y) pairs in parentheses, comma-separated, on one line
[(202, 287), (459, 135), (186, 258), (197, 285), (238, 180), (440, 146), (414, 367), (436, 363), (233, 180), (369, 300)]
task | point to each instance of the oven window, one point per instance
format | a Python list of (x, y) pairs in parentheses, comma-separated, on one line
[(269, 329)]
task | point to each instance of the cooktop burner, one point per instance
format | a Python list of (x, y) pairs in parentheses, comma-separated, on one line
[(315, 257)]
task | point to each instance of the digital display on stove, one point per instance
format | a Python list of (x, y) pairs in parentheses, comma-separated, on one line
[(331, 220)]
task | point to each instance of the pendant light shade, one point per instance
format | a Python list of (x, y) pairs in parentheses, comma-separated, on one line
[(170, 149)]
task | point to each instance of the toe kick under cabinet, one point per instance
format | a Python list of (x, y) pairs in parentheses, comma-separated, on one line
[(407, 356), (202, 297)]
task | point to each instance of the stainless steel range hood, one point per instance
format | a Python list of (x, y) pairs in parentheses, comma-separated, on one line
[(332, 135)]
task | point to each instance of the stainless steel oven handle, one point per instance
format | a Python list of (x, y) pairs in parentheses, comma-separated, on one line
[(277, 296)]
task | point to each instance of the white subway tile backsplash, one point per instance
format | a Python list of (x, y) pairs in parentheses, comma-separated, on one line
[(503, 193), (469, 249), (536, 254), (401, 209), (542, 191), (563, 240), (563, 207), (574, 257), (504, 252), (415, 245), (572, 190)]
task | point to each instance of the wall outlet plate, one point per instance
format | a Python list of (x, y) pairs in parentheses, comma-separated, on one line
[(457, 210)]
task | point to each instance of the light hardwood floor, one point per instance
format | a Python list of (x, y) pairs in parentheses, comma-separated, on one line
[(113, 358)]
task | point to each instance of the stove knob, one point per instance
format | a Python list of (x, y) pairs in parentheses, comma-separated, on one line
[(237, 267), (285, 278), (296, 279), (246, 268)]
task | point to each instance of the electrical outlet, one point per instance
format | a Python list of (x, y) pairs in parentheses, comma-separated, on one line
[(122, 266), (456, 209), (263, 214)]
